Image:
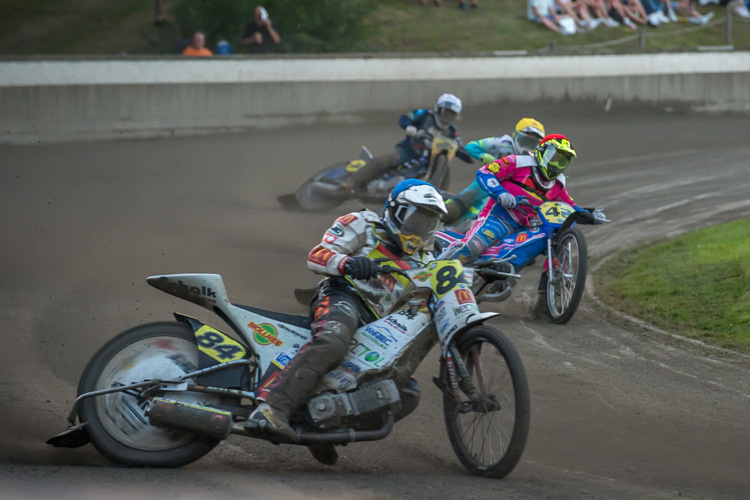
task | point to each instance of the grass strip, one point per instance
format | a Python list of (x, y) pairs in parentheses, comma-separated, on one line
[(697, 285)]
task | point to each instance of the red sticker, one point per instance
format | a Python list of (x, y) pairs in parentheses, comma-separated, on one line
[(320, 256), (347, 219)]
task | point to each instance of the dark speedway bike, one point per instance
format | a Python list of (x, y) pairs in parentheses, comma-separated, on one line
[(165, 394), (322, 192)]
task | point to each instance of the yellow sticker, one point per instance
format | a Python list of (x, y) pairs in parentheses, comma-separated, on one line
[(217, 345), (446, 276), (555, 211), (355, 165)]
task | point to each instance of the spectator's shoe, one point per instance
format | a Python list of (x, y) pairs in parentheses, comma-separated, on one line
[(653, 19), (630, 24), (672, 16), (662, 18), (462, 6), (702, 19), (610, 22), (593, 24), (267, 420)]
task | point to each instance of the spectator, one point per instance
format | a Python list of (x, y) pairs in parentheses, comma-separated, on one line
[(635, 11), (462, 5), (541, 11), (617, 11), (260, 37), (600, 12), (693, 16), (160, 12), (197, 46), (578, 11)]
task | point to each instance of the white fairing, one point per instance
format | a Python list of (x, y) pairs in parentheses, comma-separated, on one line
[(273, 341), (376, 346)]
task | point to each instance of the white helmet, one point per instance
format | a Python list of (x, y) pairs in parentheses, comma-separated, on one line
[(447, 109), (412, 213)]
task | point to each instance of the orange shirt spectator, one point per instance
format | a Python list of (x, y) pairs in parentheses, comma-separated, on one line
[(197, 46)]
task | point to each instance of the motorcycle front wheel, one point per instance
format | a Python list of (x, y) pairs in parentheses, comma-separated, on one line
[(438, 175), (567, 280), (116, 422), (488, 433)]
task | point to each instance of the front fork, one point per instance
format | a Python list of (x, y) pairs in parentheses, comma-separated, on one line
[(459, 386)]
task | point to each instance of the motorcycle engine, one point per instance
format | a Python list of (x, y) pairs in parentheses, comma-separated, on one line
[(374, 397)]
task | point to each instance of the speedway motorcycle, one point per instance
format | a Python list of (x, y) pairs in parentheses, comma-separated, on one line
[(551, 232), (165, 394), (322, 192)]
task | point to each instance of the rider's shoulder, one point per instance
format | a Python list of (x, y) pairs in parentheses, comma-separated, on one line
[(364, 216)]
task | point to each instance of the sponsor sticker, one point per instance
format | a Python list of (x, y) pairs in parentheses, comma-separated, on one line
[(464, 296), (347, 219), (320, 256), (380, 335), (336, 230), (329, 238), (282, 360), (265, 334), (493, 183), (521, 238)]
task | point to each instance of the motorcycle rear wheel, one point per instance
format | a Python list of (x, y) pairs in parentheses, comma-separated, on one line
[(489, 441), (116, 423), (566, 283)]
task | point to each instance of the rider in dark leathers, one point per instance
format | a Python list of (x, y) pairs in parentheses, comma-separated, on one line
[(447, 109)]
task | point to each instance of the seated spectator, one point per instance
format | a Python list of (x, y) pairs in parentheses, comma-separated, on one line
[(635, 11), (693, 16), (260, 37), (197, 46), (617, 11), (463, 7), (578, 11), (600, 11), (541, 11)]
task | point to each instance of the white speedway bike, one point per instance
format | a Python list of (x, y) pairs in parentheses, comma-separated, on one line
[(165, 394)]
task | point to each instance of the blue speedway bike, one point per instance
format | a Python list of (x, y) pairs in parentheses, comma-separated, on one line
[(551, 233)]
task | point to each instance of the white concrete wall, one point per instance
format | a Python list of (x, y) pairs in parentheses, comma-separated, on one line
[(63, 100)]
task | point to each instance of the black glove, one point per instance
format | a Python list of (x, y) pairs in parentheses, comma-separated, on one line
[(585, 217), (361, 268)]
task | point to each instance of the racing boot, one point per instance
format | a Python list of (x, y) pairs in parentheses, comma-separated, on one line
[(539, 311), (270, 421), (325, 453)]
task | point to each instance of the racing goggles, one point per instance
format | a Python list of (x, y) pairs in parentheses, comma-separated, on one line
[(417, 226), (554, 161), (526, 142), (446, 115)]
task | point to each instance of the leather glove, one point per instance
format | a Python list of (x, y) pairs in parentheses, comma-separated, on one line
[(585, 217), (486, 158), (361, 268), (411, 130), (506, 200)]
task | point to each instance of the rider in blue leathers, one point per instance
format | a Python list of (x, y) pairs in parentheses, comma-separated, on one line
[(446, 110), (469, 202)]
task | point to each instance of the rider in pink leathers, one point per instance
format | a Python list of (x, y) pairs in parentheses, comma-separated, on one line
[(534, 177)]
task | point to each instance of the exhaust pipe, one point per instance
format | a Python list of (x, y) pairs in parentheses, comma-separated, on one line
[(202, 420)]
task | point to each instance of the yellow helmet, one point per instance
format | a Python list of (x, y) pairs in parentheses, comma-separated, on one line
[(553, 155), (527, 135)]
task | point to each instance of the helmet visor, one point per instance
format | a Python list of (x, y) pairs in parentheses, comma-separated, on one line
[(553, 161), (419, 222), (526, 142), (446, 116)]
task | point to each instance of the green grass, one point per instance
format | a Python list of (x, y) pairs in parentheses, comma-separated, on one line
[(115, 26), (697, 285)]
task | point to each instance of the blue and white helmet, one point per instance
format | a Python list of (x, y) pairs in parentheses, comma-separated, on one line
[(412, 212), (447, 109)]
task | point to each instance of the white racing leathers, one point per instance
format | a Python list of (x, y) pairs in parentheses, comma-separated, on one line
[(362, 234)]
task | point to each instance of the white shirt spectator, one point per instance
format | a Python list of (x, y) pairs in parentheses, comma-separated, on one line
[(543, 6)]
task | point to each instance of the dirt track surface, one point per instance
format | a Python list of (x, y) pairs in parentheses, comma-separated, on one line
[(617, 411)]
